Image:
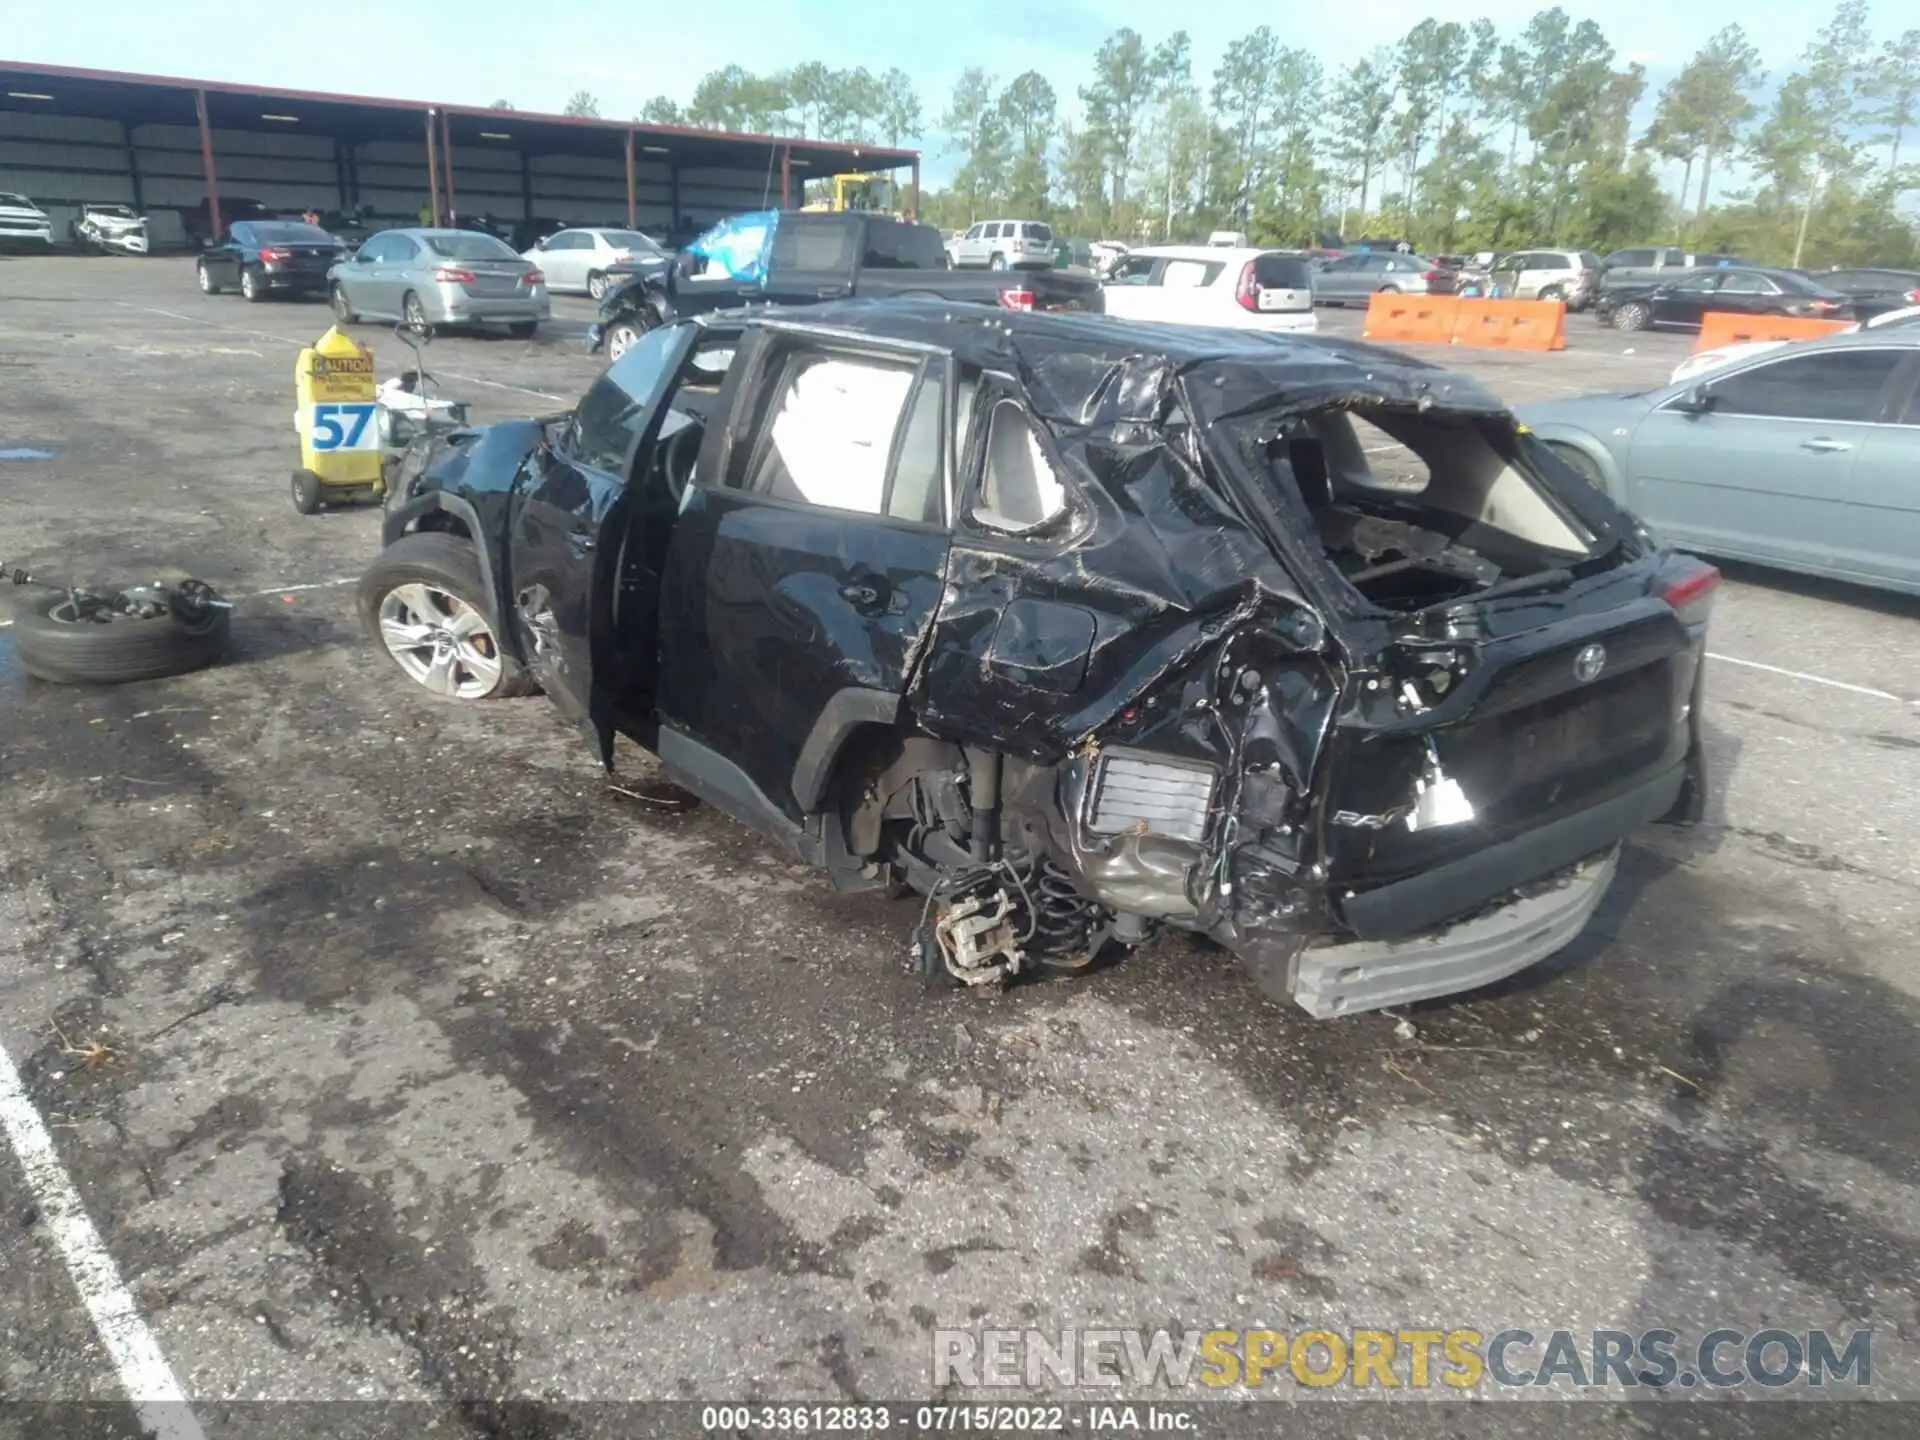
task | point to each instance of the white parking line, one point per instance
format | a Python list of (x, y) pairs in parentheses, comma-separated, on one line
[(144, 1373), (275, 590), (1810, 679), (301, 344)]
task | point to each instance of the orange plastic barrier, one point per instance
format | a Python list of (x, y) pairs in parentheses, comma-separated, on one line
[(1721, 327), (1511, 325), (1427, 318)]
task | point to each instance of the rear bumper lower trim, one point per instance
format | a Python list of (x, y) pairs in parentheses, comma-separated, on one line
[(1422, 901), (1344, 979)]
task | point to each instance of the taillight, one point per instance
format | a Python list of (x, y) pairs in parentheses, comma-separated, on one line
[(1692, 596), (1432, 277), (1823, 305), (1016, 299), (1246, 290), (274, 252), (454, 276), (1914, 296), (533, 277)]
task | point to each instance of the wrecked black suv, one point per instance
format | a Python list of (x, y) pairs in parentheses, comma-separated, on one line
[(1081, 628)]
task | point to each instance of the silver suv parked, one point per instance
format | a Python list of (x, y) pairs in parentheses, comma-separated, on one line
[(1003, 245), (1570, 276)]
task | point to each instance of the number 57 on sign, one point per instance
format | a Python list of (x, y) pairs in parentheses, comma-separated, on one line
[(342, 426)]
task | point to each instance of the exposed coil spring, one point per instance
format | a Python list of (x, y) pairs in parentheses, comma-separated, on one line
[(1065, 922)]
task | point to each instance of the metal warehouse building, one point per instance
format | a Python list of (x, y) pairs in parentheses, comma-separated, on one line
[(167, 146)]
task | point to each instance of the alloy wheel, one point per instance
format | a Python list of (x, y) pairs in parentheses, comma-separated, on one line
[(440, 640)]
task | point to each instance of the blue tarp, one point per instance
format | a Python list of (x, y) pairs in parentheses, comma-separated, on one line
[(740, 244)]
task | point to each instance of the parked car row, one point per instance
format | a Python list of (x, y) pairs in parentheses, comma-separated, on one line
[(422, 277)]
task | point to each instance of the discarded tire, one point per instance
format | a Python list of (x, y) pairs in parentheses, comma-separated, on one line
[(55, 646)]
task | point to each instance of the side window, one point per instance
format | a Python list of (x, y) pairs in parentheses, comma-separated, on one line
[(614, 410), (814, 243), (828, 437), (918, 489), (400, 249), (1838, 385), (1631, 258), (1378, 264), (1018, 489), (1741, 283), (375, 250), (1697, 284), (975, 232), (1135, 270), (1189, 274)]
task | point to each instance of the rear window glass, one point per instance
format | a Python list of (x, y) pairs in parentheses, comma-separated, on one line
[(468, 247), (893, 246), (802, 243), (1282, 272), (1038, 232), (290, 233)]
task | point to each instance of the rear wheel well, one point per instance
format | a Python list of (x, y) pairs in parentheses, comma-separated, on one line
[(443, 522)]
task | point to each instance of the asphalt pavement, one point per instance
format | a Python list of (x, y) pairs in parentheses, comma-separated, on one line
[(393, 1056)]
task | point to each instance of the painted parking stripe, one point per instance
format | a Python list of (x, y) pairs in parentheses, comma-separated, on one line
[(1810, 679), (143, 1371), (301, 345)]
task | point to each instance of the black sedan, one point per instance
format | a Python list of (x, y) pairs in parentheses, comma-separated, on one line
[(1873, 289), (270, 257), (1739, 289)]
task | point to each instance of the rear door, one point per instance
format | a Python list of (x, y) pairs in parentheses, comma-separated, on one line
[(570, 496), (1743, 292), (1340, 279), (806, 564), (1766, 473), (1881, 540), (1282, 285)]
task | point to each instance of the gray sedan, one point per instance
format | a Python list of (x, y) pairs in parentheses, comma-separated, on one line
[(1805, 457), (1354, 279), (439, 277)]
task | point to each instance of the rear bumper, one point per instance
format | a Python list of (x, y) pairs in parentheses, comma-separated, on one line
[(304, 282), (1463, 924), (1343, 979), (480, 309)]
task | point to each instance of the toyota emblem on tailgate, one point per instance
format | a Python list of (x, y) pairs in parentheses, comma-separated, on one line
[(1588, 664)]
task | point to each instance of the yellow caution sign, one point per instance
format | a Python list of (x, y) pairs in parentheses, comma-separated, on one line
[(337, 420)]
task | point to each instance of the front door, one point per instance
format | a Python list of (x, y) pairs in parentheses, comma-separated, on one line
[(1765, 474), (570, 497), (563, 260), (1134, 292), (805, 568)]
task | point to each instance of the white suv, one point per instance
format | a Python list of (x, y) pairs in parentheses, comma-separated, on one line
[(1003, 245), (21, 219), (1227, 286)]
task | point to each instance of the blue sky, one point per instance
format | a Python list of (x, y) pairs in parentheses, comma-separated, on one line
[(535, 56)]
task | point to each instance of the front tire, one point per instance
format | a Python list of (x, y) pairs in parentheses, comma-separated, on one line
[(998, 262), (342, 307), (1553, 292), (54, 644), (415, 314), (523, 329), (208, 285), (423, 600), (623, 335), (251, 290), (1632, 316), (597, 286)]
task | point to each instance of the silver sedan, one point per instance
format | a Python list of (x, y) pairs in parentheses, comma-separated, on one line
[(1802, 457), (428, 278)]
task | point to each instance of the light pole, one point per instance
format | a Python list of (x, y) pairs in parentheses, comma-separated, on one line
[(1806, 213)]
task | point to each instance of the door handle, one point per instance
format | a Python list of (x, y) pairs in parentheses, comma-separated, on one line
[(1820, 445)]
